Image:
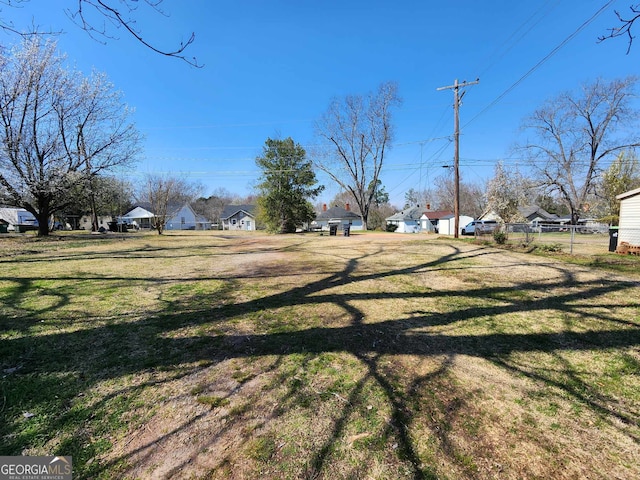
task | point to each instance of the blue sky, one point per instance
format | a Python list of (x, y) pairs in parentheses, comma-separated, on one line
[(271, 69)]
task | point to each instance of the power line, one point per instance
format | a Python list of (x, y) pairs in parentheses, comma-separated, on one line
[(541, 62), (510, 44)]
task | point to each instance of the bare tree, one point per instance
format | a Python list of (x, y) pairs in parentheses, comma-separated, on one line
[(357, 132), (472, 196), (99, 17), (572, 134), (211, 207), (164, 192), (626, 24), (58, 129)]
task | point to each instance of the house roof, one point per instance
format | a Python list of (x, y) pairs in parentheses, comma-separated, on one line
[(10, 215), (413, 213), (175, 209), (138, 212), (437, 214), (230, 210), (530, 212), (630, 193), (337, 213)]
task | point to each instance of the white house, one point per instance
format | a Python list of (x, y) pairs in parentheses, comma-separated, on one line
[(140, 217), (184, 218), (15, 217), (408, 220), (337, 216), (430, 220), (238, 217), (629, 226)]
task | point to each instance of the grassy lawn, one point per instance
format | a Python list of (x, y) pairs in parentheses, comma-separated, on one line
[(384, 356)]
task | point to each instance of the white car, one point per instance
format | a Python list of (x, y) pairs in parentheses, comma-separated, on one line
[(480, 226)]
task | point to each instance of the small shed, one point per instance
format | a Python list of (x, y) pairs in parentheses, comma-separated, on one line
[(447, 224), (629, 226)]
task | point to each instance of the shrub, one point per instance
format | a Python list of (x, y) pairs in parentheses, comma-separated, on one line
[(500, 237), (391, 227), (549, 247)]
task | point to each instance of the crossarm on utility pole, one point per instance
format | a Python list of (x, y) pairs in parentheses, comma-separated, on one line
[(456, 146)]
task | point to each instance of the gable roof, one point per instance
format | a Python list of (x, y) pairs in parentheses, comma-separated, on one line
[(530, 212), (437, 214), (413, 213), (138, 212), (230, 210), (336, 213), (174, 209), (9, 215), (630, 193)]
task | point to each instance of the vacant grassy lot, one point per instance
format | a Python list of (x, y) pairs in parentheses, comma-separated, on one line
[(305, 356)]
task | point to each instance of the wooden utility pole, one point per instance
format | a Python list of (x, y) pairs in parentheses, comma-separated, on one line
[(457, 97)]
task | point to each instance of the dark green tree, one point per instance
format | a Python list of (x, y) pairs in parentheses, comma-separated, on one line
[(286, 185), (410, 198), (108, 196), (380, 196)]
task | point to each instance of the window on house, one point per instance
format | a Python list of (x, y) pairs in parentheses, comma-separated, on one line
[(233, 222), (182, 220)]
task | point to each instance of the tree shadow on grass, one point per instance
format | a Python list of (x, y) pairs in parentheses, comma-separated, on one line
[(122, 349)]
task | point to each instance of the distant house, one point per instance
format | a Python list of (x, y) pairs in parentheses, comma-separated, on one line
[(530, 213), (338, 216), (629, 226), (140, 217), (408, 220), (536, 214), (238, 217), (184, 218), (430, 220), (17, 218)]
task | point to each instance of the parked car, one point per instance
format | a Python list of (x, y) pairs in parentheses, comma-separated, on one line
[(480, 227)]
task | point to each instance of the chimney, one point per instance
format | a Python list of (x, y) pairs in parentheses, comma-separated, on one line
[(324, 207), (428, 206), (347, 207)]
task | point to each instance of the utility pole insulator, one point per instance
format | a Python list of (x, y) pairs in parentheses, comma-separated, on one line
[(456, 146)]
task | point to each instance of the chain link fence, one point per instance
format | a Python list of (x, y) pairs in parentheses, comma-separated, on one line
[(588, 239)]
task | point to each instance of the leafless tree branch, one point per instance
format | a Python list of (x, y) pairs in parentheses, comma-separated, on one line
[(625, 27), (118, 14)]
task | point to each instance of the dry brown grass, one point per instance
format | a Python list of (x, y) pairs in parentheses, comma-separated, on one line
[(372, 356)]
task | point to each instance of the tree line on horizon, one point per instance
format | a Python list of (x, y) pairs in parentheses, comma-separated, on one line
[(64, 137)]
